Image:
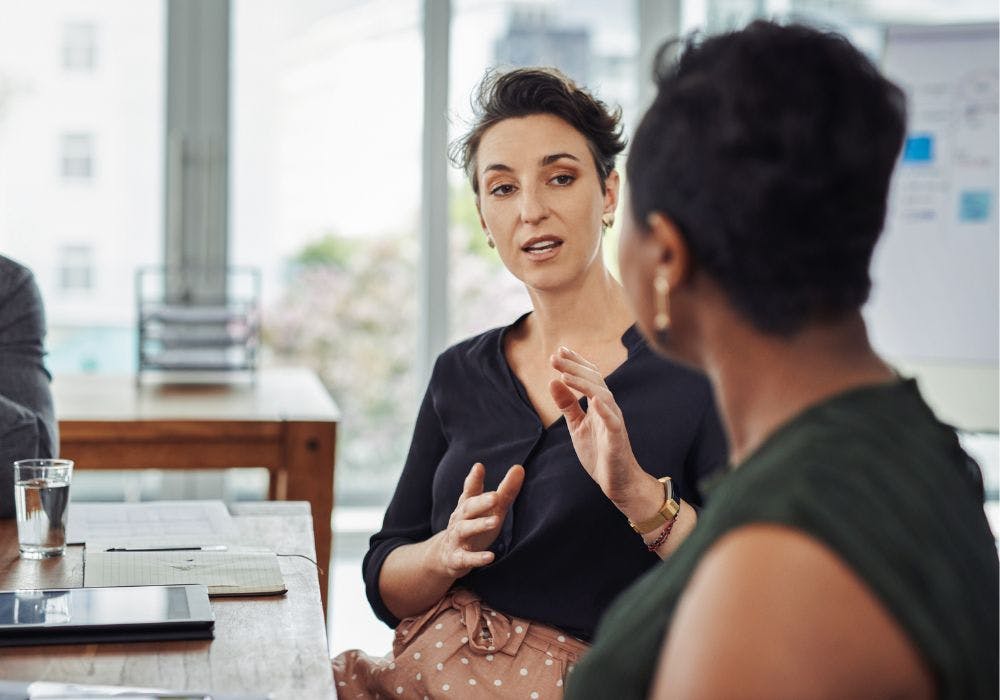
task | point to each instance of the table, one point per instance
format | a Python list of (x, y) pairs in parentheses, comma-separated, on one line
[(273, 644), (284, 421)]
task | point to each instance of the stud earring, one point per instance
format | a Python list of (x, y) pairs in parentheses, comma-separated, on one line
[(490, 242), (608, 220), (661, 292)]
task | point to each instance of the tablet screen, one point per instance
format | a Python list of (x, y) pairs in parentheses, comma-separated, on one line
[(89, 607)]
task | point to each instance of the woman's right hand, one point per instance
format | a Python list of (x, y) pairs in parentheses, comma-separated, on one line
[(476, 521)]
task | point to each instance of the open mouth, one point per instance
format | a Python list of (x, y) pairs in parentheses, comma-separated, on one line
[(541, 245)]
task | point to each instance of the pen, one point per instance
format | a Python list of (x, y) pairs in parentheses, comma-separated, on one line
[(204, 548)]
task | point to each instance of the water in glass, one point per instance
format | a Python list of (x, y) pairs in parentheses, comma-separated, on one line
[(41, 516)]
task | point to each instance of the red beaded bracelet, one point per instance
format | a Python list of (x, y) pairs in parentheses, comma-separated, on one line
[(655, 544)]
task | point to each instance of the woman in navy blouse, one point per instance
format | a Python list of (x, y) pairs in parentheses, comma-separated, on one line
[(501, 547)]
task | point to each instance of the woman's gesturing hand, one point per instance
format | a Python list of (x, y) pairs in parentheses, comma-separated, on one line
[(599, 435), (476, 521)]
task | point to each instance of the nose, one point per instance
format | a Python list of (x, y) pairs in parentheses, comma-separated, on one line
[(533, 206)]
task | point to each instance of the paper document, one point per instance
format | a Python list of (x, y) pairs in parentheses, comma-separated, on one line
[(228, 572), (159, 523)]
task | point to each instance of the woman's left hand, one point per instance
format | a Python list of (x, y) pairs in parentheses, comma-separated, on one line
[(599, 435)]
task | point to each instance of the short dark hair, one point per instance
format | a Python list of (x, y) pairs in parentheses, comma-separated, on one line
[(524, 92), (771, 149)]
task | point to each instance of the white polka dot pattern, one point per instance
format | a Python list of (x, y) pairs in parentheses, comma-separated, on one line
[(515, 657)]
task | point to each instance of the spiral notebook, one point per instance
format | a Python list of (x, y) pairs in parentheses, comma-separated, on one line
[(224, 573)]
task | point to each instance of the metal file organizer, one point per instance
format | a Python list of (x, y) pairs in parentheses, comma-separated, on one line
[(196, 324)]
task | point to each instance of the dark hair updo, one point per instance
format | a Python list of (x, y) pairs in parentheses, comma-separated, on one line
[(528, 91)]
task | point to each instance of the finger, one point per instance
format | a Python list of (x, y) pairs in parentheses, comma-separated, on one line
[(575, 368), (574, 355), (586, 387), (609, 412), (566, 402), (476, 526), (462, 560), (572, 359), (473, 485), (477, 506), (510, 486)]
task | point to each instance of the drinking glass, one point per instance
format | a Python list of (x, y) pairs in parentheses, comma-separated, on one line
[(41, 498)]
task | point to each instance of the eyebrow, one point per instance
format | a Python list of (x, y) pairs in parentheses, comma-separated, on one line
[(547, 160)]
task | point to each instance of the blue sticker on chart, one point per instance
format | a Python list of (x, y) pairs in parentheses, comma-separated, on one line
[(919, 148), (974, 206)]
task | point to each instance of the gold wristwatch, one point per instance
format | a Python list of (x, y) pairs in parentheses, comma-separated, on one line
[(667, 512)]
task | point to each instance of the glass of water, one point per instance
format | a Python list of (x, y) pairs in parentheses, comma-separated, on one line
[(41, 498)]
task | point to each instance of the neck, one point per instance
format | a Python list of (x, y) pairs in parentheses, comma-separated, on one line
[(762, 381), (593, 311)]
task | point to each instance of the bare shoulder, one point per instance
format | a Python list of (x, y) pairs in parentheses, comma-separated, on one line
[(772, 613)]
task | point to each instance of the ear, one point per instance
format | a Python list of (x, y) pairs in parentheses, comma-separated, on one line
[(672, 249), (612, 186)]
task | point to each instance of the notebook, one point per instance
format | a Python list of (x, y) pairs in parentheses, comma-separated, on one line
[(224, 573)]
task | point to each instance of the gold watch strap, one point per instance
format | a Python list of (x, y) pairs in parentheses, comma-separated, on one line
[(667, 512)]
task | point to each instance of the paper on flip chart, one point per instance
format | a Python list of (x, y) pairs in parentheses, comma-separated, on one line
[(246, 572), (157, 523)]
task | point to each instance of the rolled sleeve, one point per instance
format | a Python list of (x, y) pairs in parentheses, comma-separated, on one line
[(408, 517)]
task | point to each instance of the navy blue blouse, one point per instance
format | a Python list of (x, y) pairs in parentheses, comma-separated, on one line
[(565, 551)]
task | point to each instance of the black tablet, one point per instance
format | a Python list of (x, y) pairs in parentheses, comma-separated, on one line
[(120, 614)]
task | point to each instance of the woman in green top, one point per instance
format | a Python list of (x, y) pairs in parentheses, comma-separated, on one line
[(847, 555)]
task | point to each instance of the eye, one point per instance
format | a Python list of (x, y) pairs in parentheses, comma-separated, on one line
[(563, 179), (502, 190)]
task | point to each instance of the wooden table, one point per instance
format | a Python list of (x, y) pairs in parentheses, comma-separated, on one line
[(274, 644), (284, 421)]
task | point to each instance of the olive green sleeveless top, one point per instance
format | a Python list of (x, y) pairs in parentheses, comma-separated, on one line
[(874, 476)]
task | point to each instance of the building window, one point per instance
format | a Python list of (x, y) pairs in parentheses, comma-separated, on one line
[(79, 46), (77, 156), (76, 268)]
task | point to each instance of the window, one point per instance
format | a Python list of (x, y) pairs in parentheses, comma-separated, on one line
[(326, 107), (81, 163), (76, 268), (77, 162), (79, 46)]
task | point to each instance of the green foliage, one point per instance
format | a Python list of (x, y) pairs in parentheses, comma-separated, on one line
[(331, 249), (349, 312)]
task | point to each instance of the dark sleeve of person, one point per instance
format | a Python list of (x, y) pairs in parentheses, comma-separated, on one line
[(28, 427), (709, 453), (408, 517)]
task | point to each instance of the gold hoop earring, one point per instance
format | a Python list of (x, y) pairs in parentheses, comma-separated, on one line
[(608, 220), (661, 292)]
